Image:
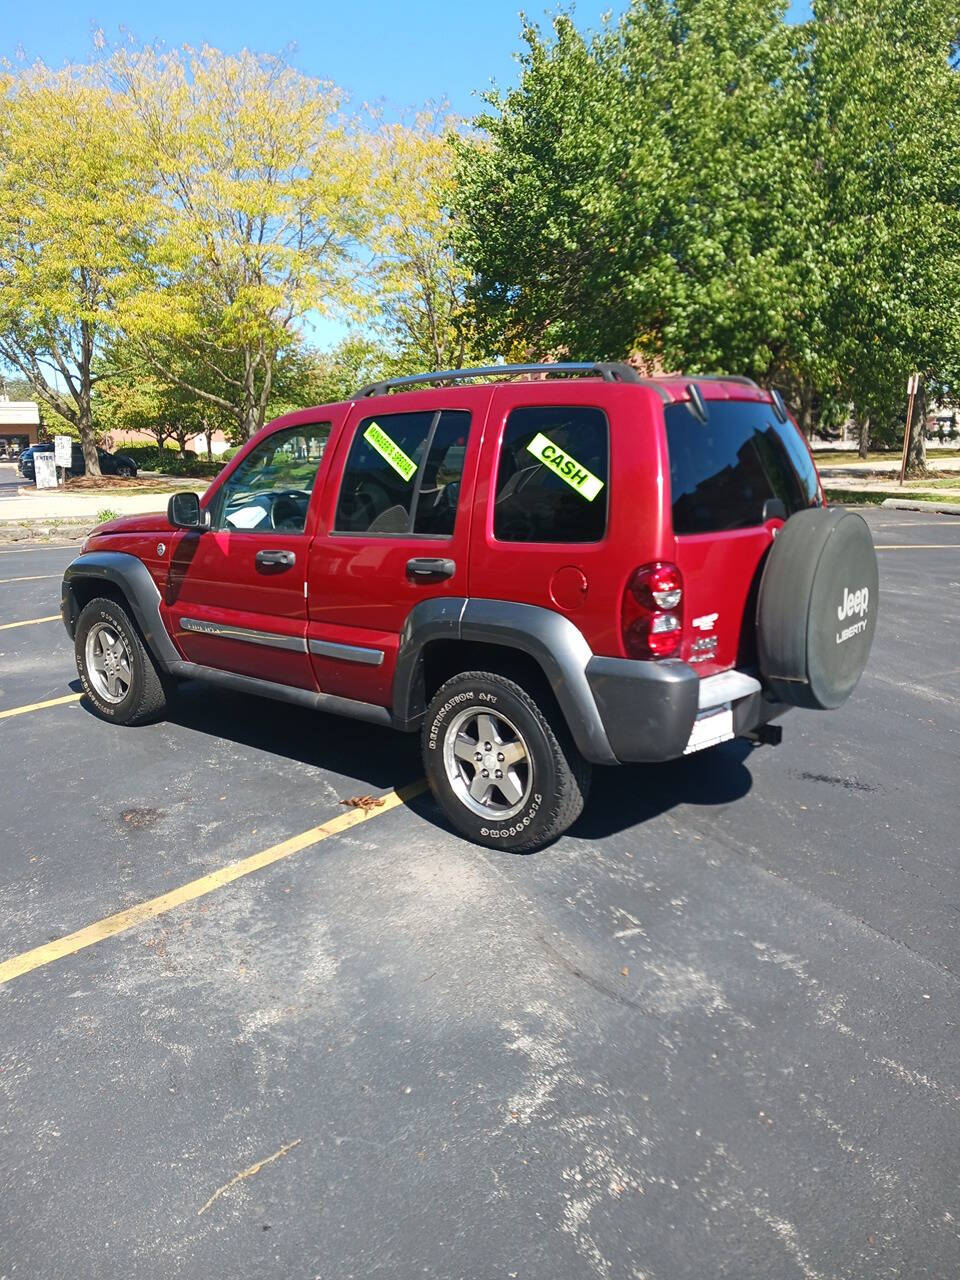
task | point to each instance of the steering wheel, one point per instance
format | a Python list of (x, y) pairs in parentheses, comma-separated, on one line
[(287, 509)]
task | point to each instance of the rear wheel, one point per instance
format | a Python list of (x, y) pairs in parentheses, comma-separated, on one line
[(118, 674), (503, 769)]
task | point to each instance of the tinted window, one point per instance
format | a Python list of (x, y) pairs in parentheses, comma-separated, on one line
[(403, 474), (552, 479), (439, 493), (723, 472), (271, 487)]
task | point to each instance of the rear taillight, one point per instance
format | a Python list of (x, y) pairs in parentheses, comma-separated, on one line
[(651, 615)]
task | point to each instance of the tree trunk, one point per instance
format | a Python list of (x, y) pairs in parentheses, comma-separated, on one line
[(863, 428), (806, 409), (917, 448), (208, 436), (88, 441)]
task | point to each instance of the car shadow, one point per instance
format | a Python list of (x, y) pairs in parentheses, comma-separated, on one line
[(620, 798), (374, 755), (634, 794)]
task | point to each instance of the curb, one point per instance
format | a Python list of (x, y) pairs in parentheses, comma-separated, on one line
[(941, 508), (42, 530)]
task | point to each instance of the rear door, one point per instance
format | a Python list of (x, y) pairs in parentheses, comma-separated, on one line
[(550, 523), (733, 482), (394, 531)]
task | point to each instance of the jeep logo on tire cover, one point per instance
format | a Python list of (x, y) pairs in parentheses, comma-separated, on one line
[(855, 603)]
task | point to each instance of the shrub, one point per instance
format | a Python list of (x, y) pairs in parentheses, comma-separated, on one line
[(169, 461), (105, 514)]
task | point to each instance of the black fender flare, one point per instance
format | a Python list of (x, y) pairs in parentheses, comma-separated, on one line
[(555, 643), (138, 588)]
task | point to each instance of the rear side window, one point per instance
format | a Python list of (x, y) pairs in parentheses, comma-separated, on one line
[(403, 474), (723, 472), (552, 478)]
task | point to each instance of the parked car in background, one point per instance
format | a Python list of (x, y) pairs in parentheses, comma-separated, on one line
[(111, 464)]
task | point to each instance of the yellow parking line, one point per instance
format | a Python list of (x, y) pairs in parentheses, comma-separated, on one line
[(7, 626), (32, 577), (109, 927), (38, 706)]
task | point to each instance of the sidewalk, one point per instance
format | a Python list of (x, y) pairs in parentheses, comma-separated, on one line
[(54, 504)]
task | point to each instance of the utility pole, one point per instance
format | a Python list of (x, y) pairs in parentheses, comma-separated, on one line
[(913, 386)]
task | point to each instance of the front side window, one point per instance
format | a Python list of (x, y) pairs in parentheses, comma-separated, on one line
[(271, 488), (723, 471), (552, 478), (403, 474)]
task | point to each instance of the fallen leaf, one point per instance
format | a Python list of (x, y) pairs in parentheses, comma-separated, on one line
[(364, 802)]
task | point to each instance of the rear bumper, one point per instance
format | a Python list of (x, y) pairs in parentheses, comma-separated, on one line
[(648, 709)]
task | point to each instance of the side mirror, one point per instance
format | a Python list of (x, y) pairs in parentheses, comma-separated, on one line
[(184, 512), (774, 509)]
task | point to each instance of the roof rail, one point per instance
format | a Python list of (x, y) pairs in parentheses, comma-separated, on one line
[(725, 377), (609, 371)]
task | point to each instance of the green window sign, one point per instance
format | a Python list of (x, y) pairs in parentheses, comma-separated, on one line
[(390, 451), (566, 467)]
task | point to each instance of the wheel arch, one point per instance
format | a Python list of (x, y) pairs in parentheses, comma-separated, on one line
[(444, 636), (121, 577)]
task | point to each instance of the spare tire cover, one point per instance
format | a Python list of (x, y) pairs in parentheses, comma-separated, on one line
[(817, 608)]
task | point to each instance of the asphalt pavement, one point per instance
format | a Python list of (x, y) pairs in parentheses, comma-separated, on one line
[(712, 1032)]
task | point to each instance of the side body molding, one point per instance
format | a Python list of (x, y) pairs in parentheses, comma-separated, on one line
[(139, 589), (549, 638)]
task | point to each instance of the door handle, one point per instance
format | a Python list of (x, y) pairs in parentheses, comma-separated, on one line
[(430, 568), (276, 559)]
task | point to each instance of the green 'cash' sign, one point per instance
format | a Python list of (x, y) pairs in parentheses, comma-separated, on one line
[(566, 467)]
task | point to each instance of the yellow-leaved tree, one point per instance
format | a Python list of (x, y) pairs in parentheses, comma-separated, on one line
[(266, 190), (420, 284), (76, 196)]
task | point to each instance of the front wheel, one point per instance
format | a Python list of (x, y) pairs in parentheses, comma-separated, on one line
[(118, 674), (504, 771)]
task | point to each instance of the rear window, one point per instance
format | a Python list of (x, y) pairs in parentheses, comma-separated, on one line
[(552, 478), (722, 472)]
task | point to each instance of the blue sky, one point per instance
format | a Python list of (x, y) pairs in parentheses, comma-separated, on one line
[(399, 55), (402, 54)]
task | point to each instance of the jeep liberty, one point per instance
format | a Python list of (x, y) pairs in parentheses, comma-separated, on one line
[(540, 568)]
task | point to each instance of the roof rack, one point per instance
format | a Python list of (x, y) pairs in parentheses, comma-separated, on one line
[(725, 377), (609, 371)]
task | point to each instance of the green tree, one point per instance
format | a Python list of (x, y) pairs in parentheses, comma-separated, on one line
[(641, 192), (74, 199), (884, 133)]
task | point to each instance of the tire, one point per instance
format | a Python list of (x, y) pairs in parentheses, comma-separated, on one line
[(125, 473), (546, 780), (817, 608), (136, 694)]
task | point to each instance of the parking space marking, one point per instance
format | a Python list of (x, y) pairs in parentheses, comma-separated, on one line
[(7, 626), (917, 546), (39, 706), (110, 926), (32, 577)]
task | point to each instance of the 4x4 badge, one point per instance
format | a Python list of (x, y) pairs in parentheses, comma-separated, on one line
[(577, 477), (706, 621)]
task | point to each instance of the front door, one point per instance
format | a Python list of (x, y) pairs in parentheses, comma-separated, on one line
[(393, 531), (234, 597)]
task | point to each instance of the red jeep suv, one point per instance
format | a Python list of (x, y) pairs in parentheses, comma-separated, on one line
[(556, 567)]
